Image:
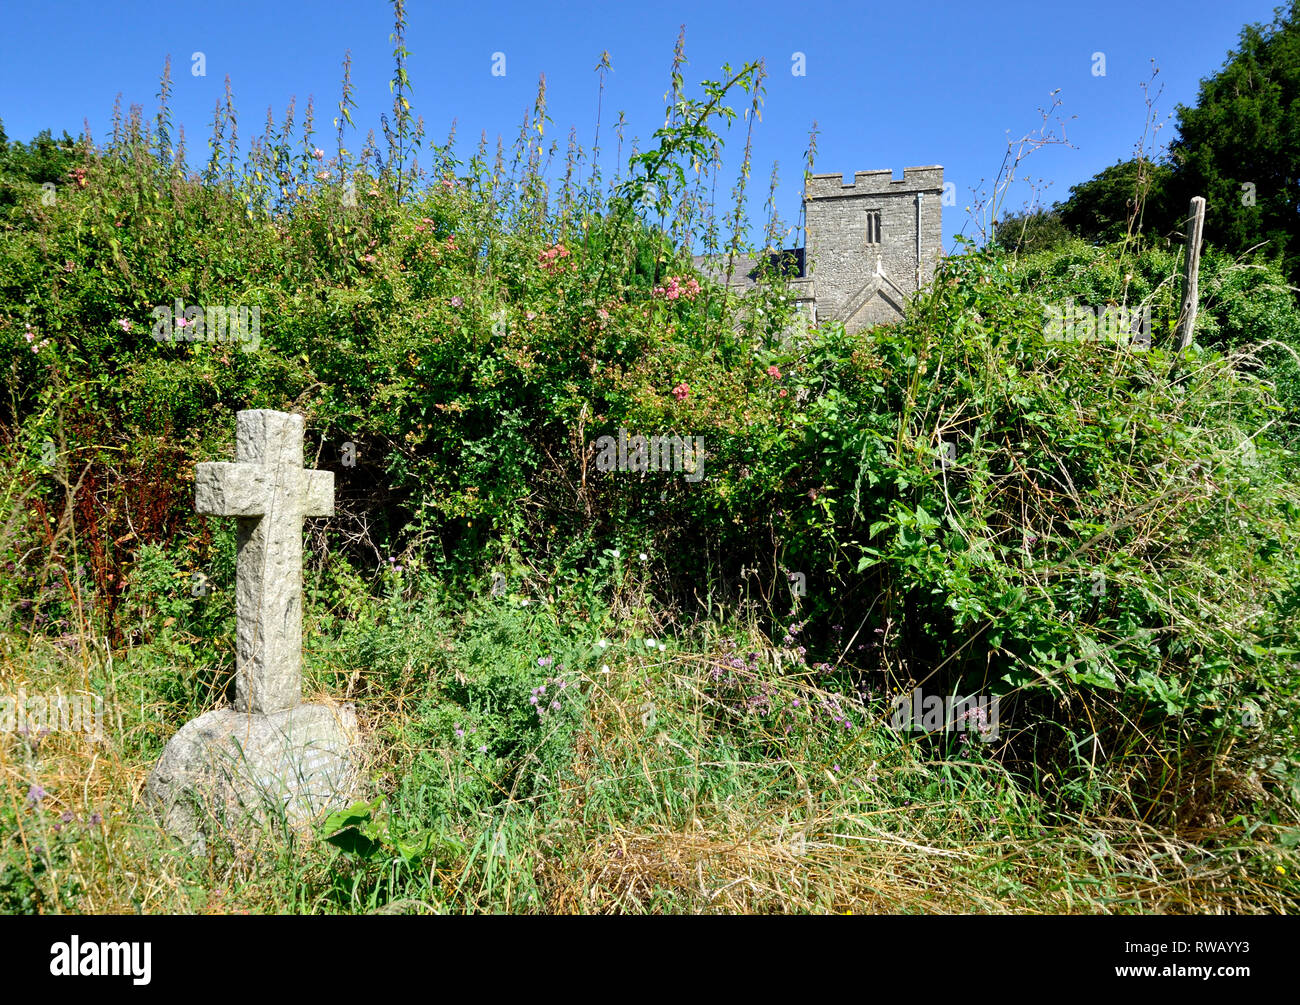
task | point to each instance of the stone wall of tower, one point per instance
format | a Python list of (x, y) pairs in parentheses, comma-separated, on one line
[(845, 269)]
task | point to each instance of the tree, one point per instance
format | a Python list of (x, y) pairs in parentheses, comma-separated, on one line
[(1128, 193), (1030, 231), (1240, 146)]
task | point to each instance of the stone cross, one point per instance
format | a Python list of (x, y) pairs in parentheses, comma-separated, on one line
[(269, 491)]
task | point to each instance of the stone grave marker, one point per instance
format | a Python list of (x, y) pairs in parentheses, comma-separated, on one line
[(270, 756)]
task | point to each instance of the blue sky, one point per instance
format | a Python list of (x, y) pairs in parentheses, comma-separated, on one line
[(890, 85)]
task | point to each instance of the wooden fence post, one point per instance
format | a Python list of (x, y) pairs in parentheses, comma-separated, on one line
[(1191, 269)]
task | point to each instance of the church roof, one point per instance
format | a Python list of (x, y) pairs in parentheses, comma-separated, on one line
[(746, 270)]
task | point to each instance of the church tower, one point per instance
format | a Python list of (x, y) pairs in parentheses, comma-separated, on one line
[(872, 244)]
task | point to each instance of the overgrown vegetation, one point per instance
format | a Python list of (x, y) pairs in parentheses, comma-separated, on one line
[(649, 716)]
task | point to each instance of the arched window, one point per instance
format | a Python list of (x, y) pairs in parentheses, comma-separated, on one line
[(873, 226)]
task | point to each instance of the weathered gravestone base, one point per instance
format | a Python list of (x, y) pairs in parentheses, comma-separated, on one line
[(235, 773), (270, 759)]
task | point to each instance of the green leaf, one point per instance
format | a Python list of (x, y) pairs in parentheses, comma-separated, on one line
[(354, 816)]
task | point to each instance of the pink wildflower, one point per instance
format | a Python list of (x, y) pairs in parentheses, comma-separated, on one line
[(675, 289)]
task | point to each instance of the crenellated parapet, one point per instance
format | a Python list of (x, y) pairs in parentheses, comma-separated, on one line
[(915, 179)]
